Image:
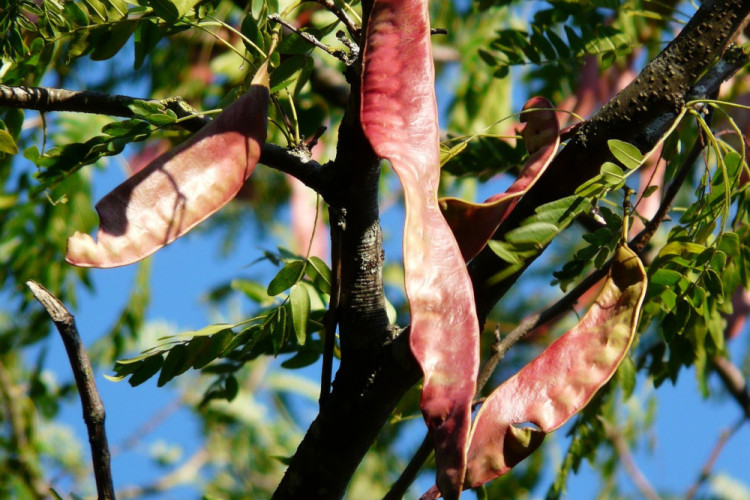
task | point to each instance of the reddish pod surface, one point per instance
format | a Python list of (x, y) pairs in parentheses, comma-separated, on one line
[(473, 224), (179, 189), (556, 385), (399, 117)]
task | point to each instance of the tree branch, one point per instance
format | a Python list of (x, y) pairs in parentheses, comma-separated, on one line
[(705, 472), (631, 468), (337, 11), (294, 162), (639, 115), (93, 409), (734, 382)]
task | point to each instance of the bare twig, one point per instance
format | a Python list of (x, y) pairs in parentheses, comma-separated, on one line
[(705, 472), (734, 382), (347, 21), (93, 409), (631, 468), (409, 474), (309, 38), (337, 217), (147, 427)]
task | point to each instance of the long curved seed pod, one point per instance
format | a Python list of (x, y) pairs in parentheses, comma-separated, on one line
[(473, 224), (399, 118), (179, 189), (556, 385)]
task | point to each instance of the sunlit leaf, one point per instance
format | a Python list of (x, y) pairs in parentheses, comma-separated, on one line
[(7, 144), (627, 154), (300, 301), (286, 277)]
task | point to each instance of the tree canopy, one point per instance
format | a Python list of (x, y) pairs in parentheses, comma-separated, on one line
[(569, 179)]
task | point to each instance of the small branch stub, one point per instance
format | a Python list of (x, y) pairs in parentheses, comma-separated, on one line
[(93, 409)]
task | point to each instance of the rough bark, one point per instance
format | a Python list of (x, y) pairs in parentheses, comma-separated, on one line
[(367, 387)]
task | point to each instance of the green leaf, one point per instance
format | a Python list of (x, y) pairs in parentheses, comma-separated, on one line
[(7, 144), (143, 108), (681, 248), (303, 357), (165, 9), (113, 39), (147, 35), (174, 364), (285, 74), (231, 387), (665, 277), (562, 48), (125, 128), (253, 290), (251, 30), (626, 377), (278, 332), (76, 14), (147, 369), (300, 301), (501, 250), (219, 342), (627, 154), (537, 233), (649, 191), (611, 173), (319, 273), (205, 331), (286, 277), (714, 285)]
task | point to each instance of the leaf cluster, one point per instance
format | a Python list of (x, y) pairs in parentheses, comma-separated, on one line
[(284, 328)]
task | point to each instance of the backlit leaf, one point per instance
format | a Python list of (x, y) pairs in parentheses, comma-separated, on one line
[(627, 154), (286, 277), (300, 301)]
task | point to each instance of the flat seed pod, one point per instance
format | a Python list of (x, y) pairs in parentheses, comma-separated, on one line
[(180, 189), (473, 224), (562, 380), (399, 117)]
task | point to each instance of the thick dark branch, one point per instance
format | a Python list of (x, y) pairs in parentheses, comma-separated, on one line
[(93, 409), (376, 363), (376, 371), (293, 162), (51, 99), (640, 115)]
